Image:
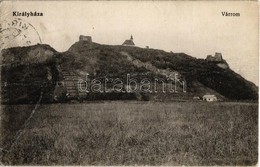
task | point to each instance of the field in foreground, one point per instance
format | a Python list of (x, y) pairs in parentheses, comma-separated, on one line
[(129, 133)]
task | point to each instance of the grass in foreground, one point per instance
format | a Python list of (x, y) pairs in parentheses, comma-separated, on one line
[(120, 133)]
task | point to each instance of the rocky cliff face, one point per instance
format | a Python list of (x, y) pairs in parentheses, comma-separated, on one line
[(26, 72), (23, 67)]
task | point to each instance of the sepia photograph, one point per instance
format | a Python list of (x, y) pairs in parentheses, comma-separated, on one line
[(129, 83)]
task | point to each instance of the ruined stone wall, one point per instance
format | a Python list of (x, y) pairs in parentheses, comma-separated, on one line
[(85, 38), (216, 58)]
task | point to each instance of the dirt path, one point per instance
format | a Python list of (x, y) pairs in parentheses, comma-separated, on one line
[(164, 72)]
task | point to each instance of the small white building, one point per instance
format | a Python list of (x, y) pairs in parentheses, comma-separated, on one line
[(196, 98), (209, 98)]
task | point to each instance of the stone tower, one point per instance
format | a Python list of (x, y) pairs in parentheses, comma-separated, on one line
[(85, 38)]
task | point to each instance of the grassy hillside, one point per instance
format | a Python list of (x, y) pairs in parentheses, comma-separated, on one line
[(26, 72), (41, 63), (195, 71)]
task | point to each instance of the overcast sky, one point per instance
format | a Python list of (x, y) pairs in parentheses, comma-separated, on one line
[(195, 28)]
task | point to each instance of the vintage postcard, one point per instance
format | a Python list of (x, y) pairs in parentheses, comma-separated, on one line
[(123, 83)]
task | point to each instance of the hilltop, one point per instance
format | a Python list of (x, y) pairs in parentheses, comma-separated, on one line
[(27, 71)]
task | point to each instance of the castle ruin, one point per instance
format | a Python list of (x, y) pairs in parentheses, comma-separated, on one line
[(216, 58), (85, 38)]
